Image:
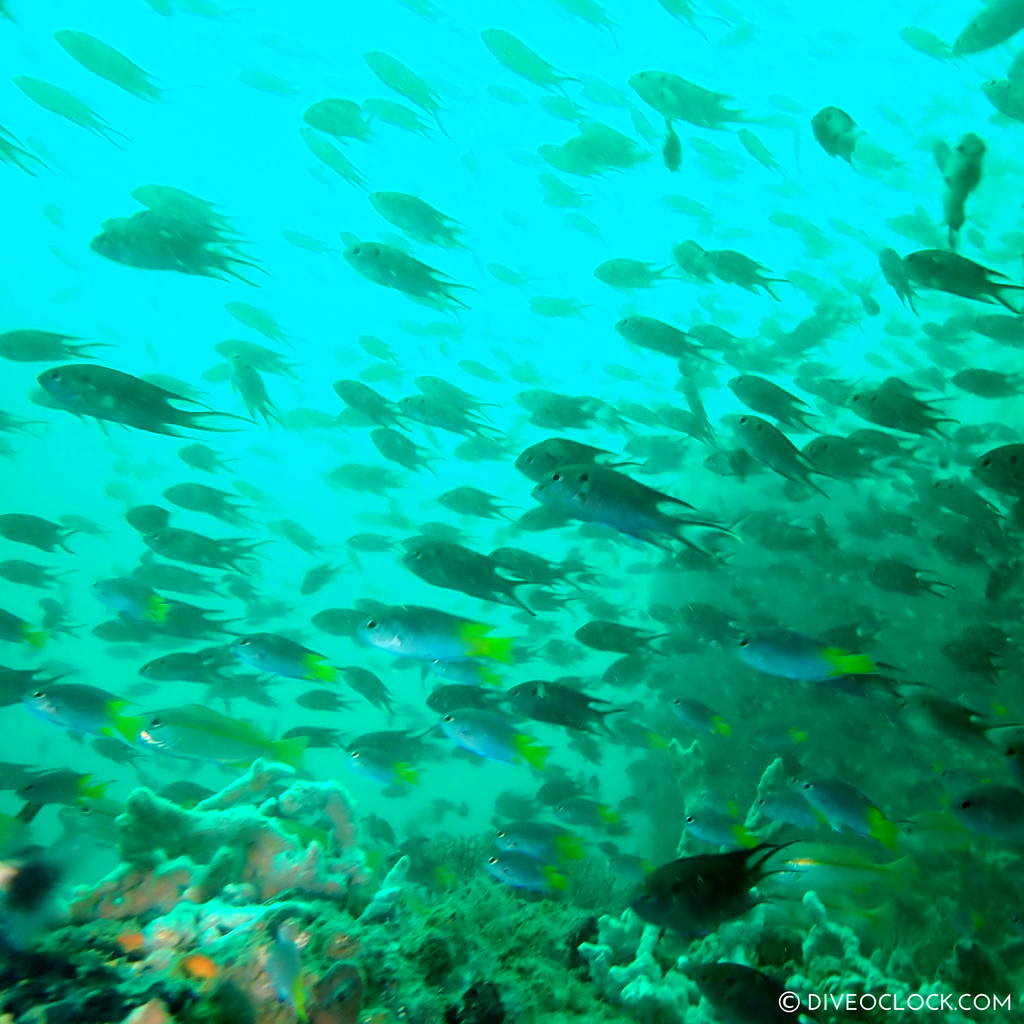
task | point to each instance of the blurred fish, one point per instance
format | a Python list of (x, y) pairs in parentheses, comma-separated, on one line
[(491, 735), (280, 656), (693, 896), (792, 655), (521, 871), (418, 632), (198, 733), (80, 708), (284, 968)]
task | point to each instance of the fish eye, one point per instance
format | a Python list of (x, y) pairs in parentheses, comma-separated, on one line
[(372, 624), (246, 642), (965, 804), (745, 642), (1011, 751), (55, 375), (689, 819), (355, 754), (38, 694), (806, 785), (448, 718), (584, 477), (986, 462), (492, 860), (557, 476), (155, 724), (500, 833)]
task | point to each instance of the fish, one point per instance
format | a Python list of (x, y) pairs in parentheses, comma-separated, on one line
[(558, 704), (62, 786), (956, 275), (492, 735), (81, 708), (543, 841), (416, 631), (844, 806), (113, 396), (992, 810), (284, 968), (521, 871), (197, 733), (961, 172), (995, 23), (693, 896), (594, 494), (791, 655), (744, 995), (281, 656)]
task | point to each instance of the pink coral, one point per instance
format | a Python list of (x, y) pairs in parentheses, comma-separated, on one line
[(129, 892), (154, 1012), (274, 867)]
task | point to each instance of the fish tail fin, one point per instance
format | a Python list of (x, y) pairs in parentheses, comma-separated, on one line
[(903, 871), (531, 751), (721, 726), (488, 676), (127, 726), (882, 829), (405, 772), (1003, 301), (479, 645), (290, 751), (517, 602), (157, 609), (318, 669), (33, 637), (680, 525), (554, 877), (808, 482), (91, 790), (570, 847), (844, 663), (744, 836), (299, 996)]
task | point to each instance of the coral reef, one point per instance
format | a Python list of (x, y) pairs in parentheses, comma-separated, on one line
[(211, 905), (624, 969), (187, 929), (634, 967)]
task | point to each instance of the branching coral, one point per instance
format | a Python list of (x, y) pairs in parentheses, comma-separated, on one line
[(625, 971)]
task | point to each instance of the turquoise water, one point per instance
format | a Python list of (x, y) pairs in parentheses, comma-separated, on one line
[(848, 618)]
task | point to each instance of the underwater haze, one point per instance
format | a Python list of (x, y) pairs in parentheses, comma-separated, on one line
[(511, 512)]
